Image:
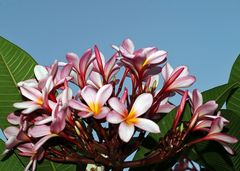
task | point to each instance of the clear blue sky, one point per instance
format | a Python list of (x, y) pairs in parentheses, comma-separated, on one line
[(204, 35)]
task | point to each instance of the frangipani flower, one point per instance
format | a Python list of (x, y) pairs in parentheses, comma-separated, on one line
[(143, 62), (82, 67), (215, 134), (128, 120), (95, 102), (103, 72), (39, 100), (176, 79)]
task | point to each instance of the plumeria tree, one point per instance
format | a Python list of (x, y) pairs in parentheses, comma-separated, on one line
[(92, 112)]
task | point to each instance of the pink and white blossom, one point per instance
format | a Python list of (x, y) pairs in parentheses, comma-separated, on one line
[(128, 120)]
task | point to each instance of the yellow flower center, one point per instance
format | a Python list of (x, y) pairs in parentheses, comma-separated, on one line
[(39, 101), (95, 108), (131, 117)]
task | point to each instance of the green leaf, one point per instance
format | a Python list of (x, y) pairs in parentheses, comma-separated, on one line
[(233, 103), (15, 65), (220, 93), (235, 72)]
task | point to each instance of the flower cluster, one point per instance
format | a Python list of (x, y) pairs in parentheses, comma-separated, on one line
[(107, 118)]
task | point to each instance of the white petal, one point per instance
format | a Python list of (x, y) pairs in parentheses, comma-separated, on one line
[(167, 71), (103, 113), (116, 105), (31, 109), (142, 104), (126, 131), (31, 93), (89, 95), (78, 105), (147, 125), (40, 72), (165, 108), (114, 117), (103, 94)]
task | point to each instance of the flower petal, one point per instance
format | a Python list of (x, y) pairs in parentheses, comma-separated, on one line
[(42, 141), (116, 105), (39, 131), (167, 71), (128, 45), (31, 93), (207, 108), (31, 109), (13, 119), (114, 117), (142, 104), (165, 108), (89, 95), (103, 94), (73, 59), (147, 125), (126, 131), (40, 72), (103, 113), (78, 105), (156, 57), (196, 99), (11, 131), (85, 114)]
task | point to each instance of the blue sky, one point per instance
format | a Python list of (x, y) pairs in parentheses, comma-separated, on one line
[(204, 35)]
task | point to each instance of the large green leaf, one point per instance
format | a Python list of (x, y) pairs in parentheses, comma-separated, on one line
[(233, 103), (235, 72), (220, 93), (17, 65)]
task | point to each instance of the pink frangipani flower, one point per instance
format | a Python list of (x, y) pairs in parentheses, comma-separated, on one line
[(176, 79), (128, 120), (95, 102)]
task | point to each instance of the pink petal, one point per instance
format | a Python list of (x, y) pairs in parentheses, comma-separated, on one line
[(217, 126), (116, 105), (207, 108), (73, 59), (58, 124), (31, 109), (126, 131), (11, 131), (24, 104), (39, 131), (31, 93), (227, 148), (42, 141), (85, 114), (157, 57), (165, 108), (13, 119), (66, 96), (142, 104), (196, 99), (89, 95), (182, 82), (103, 94), (114, 117), (167, 71), (202, 124), (147, 125), (96, 78), (128, 45), (110, 65), (40, 72), (103, 113), (78, 105), (221, 137), (84, 61)]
